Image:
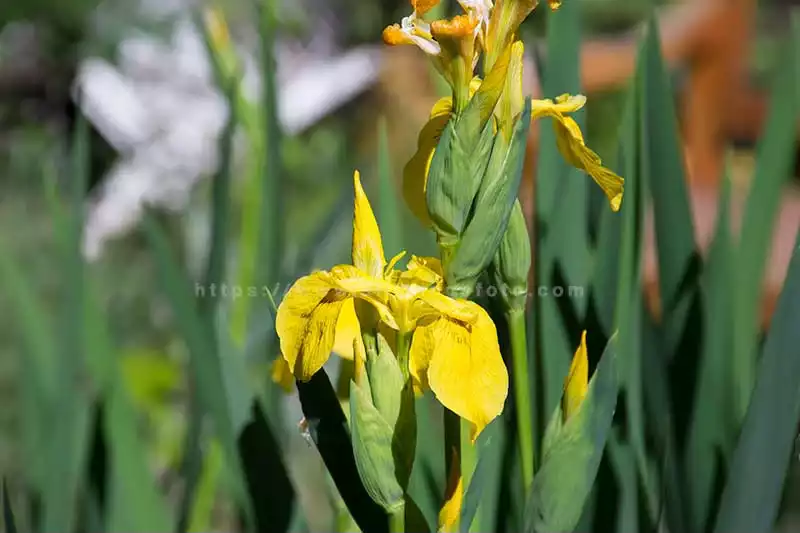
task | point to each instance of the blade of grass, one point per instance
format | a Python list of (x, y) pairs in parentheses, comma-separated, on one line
[(766, 442)]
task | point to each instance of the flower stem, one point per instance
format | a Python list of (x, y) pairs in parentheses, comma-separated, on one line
[(397, 520), (469, 459), (522, 394)]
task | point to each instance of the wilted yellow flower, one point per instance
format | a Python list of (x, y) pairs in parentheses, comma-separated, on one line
[(577, 381), (454, 349), (413, 29)]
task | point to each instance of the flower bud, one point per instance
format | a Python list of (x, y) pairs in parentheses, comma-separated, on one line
[(512, 263), (459, 163), (383, 425), (491, 211)]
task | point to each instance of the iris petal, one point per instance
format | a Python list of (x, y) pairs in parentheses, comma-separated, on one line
[(306, 323), (367, 245), (466, 370)]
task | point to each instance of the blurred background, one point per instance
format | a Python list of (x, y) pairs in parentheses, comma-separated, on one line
[(138, 74)]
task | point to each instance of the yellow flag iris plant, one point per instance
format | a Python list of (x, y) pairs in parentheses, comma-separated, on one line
[(415, 328)]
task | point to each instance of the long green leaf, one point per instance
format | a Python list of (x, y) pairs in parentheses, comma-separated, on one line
[(663, 164), (773, 166), (711, 422), (760, 463)]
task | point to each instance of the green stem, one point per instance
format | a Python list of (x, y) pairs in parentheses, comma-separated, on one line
[(397, 520), (469, 459), (522, 394)]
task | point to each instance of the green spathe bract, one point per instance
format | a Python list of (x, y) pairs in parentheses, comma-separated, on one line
[(571, 454)]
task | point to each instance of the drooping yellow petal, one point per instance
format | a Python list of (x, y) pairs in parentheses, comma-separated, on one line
[(575, 151), (451, 509), (367, 245), (281, 374), (577, 381), (554, 4), (572, 146), (466, 371), (563, 105), (306, 323), (347, 328)]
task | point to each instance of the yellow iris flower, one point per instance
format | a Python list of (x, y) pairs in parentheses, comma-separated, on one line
[(454, 349)]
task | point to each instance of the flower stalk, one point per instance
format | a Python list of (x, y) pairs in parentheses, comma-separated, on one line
[(522, 394)]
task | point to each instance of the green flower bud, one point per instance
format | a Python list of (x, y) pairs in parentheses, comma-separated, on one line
[(455, 175), (512, 263), (383, 426), (492, 209), (461, 157)]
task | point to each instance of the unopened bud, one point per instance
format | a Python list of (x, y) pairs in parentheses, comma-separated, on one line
[(492, 210), (512, 263)]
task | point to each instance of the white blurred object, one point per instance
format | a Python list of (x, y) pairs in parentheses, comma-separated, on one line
[(161, 111)]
